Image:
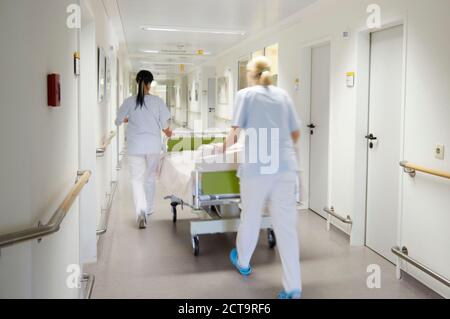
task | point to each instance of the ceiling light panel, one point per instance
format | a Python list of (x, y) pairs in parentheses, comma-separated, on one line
[(177, 52), (193, 30), (150, 51), (165, 63)]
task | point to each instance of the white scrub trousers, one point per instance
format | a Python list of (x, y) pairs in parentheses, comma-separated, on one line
[(143, 170), (279, 191)]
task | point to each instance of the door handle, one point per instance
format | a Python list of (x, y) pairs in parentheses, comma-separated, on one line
[(371, 138), (312, 127)]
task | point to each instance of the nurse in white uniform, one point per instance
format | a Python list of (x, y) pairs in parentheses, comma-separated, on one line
[(269, 173), (147, 116)]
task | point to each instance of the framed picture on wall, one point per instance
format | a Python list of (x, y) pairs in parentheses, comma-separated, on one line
[(132, 85), (242, 73), (197, 88), (101, 74), (223, 87), (172, 95), (108, 78)]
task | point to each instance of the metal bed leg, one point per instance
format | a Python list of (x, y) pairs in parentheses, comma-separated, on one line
[(196, 245), (174, 212), (174, 203), (271, 238)]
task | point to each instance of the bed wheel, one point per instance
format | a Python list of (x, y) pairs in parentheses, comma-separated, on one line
[(272, 239), (174, 212), (196, 245)]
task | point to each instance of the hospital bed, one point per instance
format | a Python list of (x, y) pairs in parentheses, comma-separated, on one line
[(210, 190)]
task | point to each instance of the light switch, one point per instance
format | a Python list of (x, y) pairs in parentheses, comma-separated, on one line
[(297, 84), (350, 79), (439, 151)]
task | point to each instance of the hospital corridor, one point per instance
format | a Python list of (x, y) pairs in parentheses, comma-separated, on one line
[(248, 151), (159, 263)]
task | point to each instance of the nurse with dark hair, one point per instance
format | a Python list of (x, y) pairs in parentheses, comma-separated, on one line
[(147, 117)]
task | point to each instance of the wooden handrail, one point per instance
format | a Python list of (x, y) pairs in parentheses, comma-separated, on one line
[(102, 149), (411, 169), (55, 221)]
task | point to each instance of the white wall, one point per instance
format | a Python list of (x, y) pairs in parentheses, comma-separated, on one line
[(39, 146), (425, 213), (104, 112), (426, 200), (123, 94)]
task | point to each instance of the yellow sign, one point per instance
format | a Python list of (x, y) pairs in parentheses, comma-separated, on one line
[(350, 79)]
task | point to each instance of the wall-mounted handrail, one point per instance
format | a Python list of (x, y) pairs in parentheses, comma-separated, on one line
[(330, 211), (89, 280), (55, 221), (411, 169), (106, 212), (403, 254), (102, 149)]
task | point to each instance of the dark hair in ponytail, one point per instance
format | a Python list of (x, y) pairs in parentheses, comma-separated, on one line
[(143, 78)]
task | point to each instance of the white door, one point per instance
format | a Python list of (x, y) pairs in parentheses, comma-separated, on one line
[(319, 128), (211, 102), (87, 144), (384, 140)]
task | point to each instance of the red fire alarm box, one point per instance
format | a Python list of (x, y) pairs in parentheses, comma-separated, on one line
[(54, 90)]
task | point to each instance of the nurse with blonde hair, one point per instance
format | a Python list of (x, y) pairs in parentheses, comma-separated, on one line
[(268, 117)]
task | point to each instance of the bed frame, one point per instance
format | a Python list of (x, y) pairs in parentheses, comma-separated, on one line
[(213, 192)]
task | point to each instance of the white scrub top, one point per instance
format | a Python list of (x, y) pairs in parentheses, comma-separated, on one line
[(268, 116), (144, 124)]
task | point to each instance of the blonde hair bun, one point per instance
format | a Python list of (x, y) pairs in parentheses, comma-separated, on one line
[(262, 70)]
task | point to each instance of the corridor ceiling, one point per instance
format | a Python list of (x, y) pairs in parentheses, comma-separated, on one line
[(180, 28)]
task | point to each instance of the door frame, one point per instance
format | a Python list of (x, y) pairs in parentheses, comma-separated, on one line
[(359, 229), (307, 48), (119, 102), (87, 146)]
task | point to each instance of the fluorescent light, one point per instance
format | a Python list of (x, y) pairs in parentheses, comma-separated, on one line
[(193, 30), (151, 51), (202, 52), (166, 63), (179, 53)]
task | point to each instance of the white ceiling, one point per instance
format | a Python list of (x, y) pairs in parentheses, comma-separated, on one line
[(251, 16)]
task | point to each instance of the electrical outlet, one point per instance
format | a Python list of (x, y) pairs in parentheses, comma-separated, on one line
[(439, 151)]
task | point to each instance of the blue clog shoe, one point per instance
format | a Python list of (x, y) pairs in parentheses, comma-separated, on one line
[(296, 294), (234, 260)]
